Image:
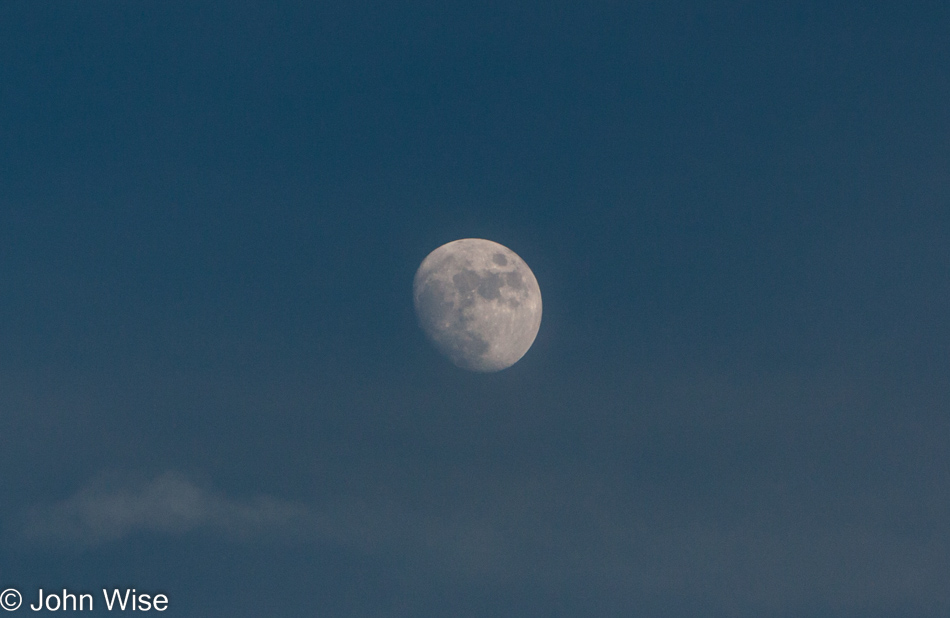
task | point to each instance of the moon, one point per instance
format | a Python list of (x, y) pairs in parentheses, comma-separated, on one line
[(478, 303)]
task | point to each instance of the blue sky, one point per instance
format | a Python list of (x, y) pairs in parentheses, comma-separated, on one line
[(212, 383)]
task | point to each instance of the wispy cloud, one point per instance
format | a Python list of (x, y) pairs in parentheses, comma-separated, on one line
[(109, 509), (539, 531)]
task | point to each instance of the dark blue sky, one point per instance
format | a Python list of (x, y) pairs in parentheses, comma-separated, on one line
[(211, 379)]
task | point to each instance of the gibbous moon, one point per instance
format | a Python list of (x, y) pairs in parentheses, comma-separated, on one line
[(478, 303)]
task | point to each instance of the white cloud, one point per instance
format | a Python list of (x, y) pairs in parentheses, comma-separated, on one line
[(108, 510), (541, 531)]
